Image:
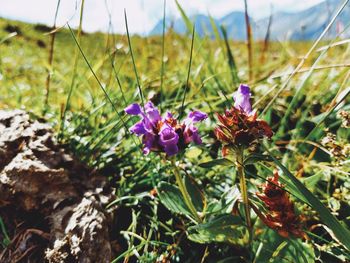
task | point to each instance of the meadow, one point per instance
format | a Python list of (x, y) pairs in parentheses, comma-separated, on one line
[(299, 88)]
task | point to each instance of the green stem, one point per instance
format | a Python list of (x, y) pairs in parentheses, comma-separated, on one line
[(184, 192), (244, 191)]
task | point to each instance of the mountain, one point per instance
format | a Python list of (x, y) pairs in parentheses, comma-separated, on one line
[(234, 23), (202, 24), (307, 24)]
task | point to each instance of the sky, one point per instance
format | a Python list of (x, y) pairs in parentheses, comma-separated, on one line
[(142, 14)]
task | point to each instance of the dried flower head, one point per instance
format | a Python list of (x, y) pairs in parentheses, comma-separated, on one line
[(345, 116), (281, 216), (164, 134), (239, 126), (338, 150)]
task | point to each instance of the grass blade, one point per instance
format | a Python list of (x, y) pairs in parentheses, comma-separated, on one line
[(230, 58), (50, 60), (249, 40), (133, 60), (186, 19), (75, 67), (188, 74), (163, 50)]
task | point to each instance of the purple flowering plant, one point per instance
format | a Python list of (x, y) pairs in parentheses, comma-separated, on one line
[(238, 129), (164, 133)]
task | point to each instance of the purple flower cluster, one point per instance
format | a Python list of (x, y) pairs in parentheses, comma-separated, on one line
[(164, 134)]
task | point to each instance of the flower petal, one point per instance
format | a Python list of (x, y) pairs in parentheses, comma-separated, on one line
[(133, 109), (149, 141), (242, 99), (197, 116), (138, 128), (171, 149), (168, 136), (152, 113)]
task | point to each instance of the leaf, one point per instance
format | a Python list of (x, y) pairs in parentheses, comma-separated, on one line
[(193, 153), (197, 196), (171, 198), (216, 162), (312, 180), (256, 157), (224, 228), (327, 218), (226, 203), (230, 58), (275, 249), (185, 18)]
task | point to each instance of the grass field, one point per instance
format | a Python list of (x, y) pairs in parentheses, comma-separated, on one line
[(93, 78)]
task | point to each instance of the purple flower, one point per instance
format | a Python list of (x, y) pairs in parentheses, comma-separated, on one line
[(242, 99), (164, 134)]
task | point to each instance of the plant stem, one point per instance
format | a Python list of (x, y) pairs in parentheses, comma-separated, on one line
[(244, 191), (184, 192)]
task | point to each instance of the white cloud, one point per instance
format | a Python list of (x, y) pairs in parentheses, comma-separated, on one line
[(142, 14)]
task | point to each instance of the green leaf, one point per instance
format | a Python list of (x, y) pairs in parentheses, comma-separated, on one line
[(231, 60), (197, 196), (275, 249), (226, 203), (327, 218), (185, 18), (171, 198), (312, 180), (193, 153), (216, 162), (256, 157), (224, 228)]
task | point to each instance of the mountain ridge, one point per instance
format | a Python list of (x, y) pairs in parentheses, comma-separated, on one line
[(306, 24)]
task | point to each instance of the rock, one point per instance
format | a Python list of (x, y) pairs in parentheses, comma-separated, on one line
[(37, 176)]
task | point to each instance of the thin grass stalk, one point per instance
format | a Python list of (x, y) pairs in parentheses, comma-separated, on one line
[(188, 74), (249, 40), (133, 60), (244, 191), (75, 67), (112, 54), (267, 39), (162, 69), (50, 60)]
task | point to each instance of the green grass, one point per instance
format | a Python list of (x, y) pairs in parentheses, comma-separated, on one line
[(94, 131)]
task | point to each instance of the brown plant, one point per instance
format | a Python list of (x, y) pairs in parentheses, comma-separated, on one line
[(237, 128), (281, 216)]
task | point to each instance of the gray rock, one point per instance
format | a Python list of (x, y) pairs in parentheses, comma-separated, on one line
[(38, 176)]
